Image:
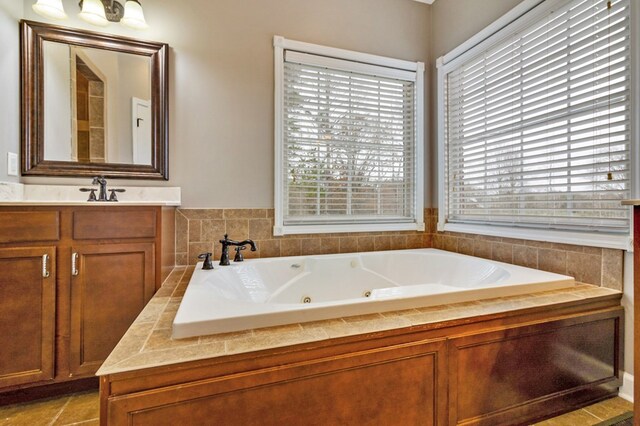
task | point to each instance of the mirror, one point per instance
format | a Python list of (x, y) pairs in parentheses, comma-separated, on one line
[(92, 104), (97, 105)]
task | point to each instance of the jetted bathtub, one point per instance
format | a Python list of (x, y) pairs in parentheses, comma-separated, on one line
[(276, 291)]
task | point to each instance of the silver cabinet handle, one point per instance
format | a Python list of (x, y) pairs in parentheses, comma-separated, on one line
[(74, 264), (45, 266)]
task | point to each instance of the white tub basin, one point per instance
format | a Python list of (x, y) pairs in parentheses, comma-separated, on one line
[(277, 291)]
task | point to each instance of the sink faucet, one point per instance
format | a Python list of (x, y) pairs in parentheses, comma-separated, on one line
[(102, 196), (99, 180), (226, 242)]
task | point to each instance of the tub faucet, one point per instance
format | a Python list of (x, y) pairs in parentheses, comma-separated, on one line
[(226, 242)]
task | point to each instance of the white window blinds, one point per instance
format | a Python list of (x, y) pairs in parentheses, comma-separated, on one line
[(537, 125), (349, 142)]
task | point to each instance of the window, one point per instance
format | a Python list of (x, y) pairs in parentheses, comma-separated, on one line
[(348, 141), (535, 127)]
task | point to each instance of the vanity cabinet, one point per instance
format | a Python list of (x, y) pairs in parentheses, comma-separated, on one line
[(72, 280)]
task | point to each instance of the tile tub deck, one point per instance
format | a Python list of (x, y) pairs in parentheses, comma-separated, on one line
[(148, 343)]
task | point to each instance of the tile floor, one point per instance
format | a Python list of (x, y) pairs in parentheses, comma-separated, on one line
[(82, 409), (76, 409), (591, 415)]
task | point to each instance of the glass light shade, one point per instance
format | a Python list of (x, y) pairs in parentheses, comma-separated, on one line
[(133, 15), (52, 9), (93, 12)]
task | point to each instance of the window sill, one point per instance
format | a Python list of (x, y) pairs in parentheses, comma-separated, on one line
[(621, 242), (336, 229)]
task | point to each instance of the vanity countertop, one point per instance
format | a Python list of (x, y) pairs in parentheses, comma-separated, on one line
[(148, 341), (635, 202), (15, 194)]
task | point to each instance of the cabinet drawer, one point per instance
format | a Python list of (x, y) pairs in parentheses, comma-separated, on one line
[(95, 225), (18, 227)]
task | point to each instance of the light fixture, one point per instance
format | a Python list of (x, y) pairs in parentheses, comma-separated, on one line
[(93, 11), (52, 9), (97, 12), (133, 15)]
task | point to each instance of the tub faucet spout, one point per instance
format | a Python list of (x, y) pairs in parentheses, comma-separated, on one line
[(226, 242)]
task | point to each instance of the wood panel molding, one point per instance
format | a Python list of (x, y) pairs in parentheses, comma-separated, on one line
[(396, 385), (531, 370), (120, 224), (29, 226), (636, 310)]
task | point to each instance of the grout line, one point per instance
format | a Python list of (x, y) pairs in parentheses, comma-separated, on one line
[(157, 320), (585, 409), (57, 416), (82, 422)]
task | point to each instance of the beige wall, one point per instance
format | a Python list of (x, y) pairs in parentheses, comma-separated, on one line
[(10, 11), (221, 71), (455, 21)]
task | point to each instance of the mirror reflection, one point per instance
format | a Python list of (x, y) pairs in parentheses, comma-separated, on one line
[(97, 105)]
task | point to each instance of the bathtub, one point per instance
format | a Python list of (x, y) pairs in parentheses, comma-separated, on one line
[(277, 291)]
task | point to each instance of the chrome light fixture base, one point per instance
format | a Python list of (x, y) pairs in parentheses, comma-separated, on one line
[(97, 12)]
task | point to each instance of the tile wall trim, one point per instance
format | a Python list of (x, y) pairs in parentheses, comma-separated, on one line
[(198, 231)]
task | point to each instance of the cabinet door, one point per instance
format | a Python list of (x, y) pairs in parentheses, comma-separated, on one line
[(110, 285), (27, 314)]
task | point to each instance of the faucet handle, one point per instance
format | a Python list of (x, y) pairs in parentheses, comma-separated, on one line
[(207, 264), (239, 257), (113, 196), (92, 195)]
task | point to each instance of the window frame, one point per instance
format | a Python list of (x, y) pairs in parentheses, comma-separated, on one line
[(522, 15), (282, 44)]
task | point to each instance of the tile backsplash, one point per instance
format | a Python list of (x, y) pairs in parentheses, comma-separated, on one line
[(198, 231), (590, 265)]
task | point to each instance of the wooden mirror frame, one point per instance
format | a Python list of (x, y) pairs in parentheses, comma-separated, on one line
[(32, 37)]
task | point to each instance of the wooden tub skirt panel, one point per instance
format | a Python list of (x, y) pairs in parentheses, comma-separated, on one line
[(491, 371), (387, 385), (506, 376)]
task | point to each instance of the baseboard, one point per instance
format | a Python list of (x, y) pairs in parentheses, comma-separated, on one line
[(48, 391), (626, 390)]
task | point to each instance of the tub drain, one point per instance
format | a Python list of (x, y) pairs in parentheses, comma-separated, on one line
[(306, 299), (367, 293)]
